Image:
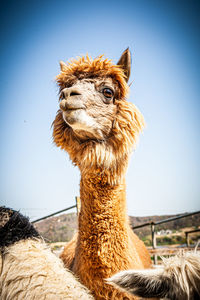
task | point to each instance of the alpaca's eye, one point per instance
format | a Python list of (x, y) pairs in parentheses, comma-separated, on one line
[(108, 93)]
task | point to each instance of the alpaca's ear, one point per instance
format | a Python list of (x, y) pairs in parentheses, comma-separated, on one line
[(125, 63), (146, 283), (63, 65)]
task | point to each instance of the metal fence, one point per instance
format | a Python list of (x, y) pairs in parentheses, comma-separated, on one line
[(153, 224), (187, 233), (56, 213)]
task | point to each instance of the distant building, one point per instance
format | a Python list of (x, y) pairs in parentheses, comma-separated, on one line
[(164, 232)]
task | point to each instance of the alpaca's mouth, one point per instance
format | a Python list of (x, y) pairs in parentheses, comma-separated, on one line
[(69, 105), (74, 108)]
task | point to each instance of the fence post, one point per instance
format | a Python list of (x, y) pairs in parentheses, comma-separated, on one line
[(153, 234), (78, 205), (187, 239)]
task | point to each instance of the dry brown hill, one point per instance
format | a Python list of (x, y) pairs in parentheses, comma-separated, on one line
[(58, 229)]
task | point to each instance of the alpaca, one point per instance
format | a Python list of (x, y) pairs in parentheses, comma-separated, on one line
[(177, 279), (28, 268), (98, 128)]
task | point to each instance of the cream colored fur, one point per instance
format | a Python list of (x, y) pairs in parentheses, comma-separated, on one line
[(29, 270), (177, 278), (185, 269)]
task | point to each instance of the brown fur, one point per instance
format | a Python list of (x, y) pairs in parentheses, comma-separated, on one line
[(85, 67), (105, 243)]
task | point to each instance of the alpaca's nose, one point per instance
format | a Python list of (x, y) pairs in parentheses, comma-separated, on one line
[(68, 99), (68, 92)]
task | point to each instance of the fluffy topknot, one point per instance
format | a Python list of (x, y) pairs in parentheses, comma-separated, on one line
[(86, 67)]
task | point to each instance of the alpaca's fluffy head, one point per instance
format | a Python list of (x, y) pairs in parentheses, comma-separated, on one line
[(14, 227), (95, 123), (177, 279)]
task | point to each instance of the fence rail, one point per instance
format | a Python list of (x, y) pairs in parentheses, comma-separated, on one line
[(187, 235), (166, 220), (153, 224), (56, 213)]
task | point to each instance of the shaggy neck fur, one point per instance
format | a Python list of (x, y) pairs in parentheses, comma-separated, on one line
[(103, 221), (104, 243)]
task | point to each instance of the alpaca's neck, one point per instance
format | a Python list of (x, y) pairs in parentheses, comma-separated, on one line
[(101, 200), (103, 224)]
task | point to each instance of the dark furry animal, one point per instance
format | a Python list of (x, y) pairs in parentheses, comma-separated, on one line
[(14, 227)]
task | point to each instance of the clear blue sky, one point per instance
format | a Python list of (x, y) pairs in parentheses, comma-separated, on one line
[(164, 37)]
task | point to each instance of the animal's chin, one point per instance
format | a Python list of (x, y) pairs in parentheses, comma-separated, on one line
[(71, 117), (82, 125)]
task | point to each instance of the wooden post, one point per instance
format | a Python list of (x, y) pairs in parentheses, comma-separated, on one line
[(78, 205), (187, 239), (155, 259), (153, 234)]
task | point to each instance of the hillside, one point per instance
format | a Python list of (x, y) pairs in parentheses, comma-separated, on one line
[(58, 229), (62, 227)]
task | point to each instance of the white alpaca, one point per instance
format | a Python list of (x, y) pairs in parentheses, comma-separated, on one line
[(28, 268), (177, 279)]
